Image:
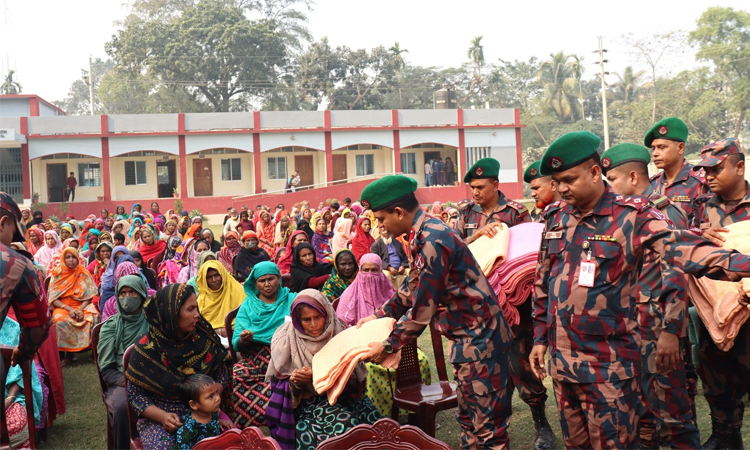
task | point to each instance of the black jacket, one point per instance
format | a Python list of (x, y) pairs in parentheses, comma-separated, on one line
[(379, 248)]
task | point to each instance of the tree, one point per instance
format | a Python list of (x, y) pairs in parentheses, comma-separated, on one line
[(476, 56), (723, 37), (560, 86), (10, 86), (78, 100), (628, 85), (212, 50)]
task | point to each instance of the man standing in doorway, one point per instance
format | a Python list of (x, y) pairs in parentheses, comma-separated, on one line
[(295, 181), (450, 172), (72, 183), (428, 173)]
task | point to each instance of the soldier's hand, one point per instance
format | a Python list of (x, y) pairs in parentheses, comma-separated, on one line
[(667, 352), (536, 358), (376, 353), (490, 230), (714, 235)]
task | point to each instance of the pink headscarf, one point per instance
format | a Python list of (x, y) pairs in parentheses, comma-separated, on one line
[(343, 235), (437, 209), (368, 292)]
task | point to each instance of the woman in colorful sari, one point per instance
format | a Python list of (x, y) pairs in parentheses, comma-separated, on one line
[(71, 291), (150, 246), (230, 250), (342, 238), (180, 335), (34, 240), (307, 272), (265, 230), (193, 249), (58, 255), (264, 310), (120, 254), (103, 255), (284, 229), (193, 232), (169, 269), (170, 230), (90, 254), (285, 262), (321, 239), (293, 347), (208, 255), (66, 232), (363, 240), (249, 255), (218, 294), (344, 271), (135, 209), (44, 255)]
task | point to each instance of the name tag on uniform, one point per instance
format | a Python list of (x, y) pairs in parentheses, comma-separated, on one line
[(587, 274), (470, 226), (553, 235)]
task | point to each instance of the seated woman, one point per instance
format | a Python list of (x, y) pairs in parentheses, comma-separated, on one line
[(15, 400), (218, 293), (284, 229), (230, 250), (321, 240), (306, 271), (180, 335), (169, 269), (44, 255), (344, 271), (103, 255), (150, 246), (249, 255), (293, 346), (208, 236), (70, 293), (148, 273), (205, 256), (191, 256), (117, 334), (124, 269), (120, 254), (263, 311), (342, 238), (363, 240), (285, 262)]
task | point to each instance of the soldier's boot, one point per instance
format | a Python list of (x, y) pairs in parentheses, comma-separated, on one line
[(545, 438), (735, 440), (719, 439)]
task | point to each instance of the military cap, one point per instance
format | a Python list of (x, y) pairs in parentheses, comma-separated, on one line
[(625, 153), (484, 168), (7, 203), (386, 191), (716, 152), (670, 128), (568, 151), (532, 172)]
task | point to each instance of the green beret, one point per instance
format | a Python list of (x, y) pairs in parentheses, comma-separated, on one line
[(568, 151), (532, 172), (386, 191), (484, 168), (625, 153), (670, 128)]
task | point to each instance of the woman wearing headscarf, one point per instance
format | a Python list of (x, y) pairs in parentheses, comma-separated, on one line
[(285, 262), (304, 225), (363, 240), (122, 227), (66, 231), (170, 230), (103, 254), (265, 231), (34, 240), (193, 250), (321, 239), (71, 291), (344, 271), (193, 232), (218, 294), (169, 269), (293, 347), (125, 268), (307, 271), (135, 209), (263, 311), (44, 255), (38, 218), (245, 224), (56, 259), (437, 209), (208, 255), (148, 273), (120, 254), (230, 250), (180, 335), (208, 236), (173, 243), (284, 229), (117, 334), (249, 255), (150, 246), (342, 238), (90, 253)]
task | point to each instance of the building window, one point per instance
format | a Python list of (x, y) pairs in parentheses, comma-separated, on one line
[(135, 172), (365, 165), (89, 174), (231, 169), (277, 168), (474, 154), (409, 163)]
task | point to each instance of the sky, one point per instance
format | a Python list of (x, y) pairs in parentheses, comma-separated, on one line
[(48, 42)]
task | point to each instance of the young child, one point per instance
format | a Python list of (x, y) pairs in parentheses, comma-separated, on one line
[(203, 396), (119, 239)]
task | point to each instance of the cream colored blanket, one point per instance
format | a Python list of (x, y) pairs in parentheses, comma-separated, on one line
[(491, 252)]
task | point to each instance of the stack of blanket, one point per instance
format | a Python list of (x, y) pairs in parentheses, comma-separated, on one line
[(335, 362), (721, 304), (509, 262)]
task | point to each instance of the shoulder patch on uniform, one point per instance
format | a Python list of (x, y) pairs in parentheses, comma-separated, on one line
[(656, 214), (552, 208), (466, 207), (517, 206), (637, 202)]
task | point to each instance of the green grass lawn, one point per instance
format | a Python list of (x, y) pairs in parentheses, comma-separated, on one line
[(83, 426)]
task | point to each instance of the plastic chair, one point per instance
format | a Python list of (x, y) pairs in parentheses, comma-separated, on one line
[(251, 438), (95, 354), (412, 395), (286, 280), (135, 439), (385, 433), (229, 328), (28, 395)]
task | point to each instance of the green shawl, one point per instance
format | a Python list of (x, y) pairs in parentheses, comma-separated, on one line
[(337, 284), (121, 330), (262, 318)]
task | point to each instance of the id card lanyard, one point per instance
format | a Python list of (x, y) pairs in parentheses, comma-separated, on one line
[(587, 272)]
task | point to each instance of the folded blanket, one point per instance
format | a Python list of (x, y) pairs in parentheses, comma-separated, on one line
[(335, 362), (718, 302), (491, 252)]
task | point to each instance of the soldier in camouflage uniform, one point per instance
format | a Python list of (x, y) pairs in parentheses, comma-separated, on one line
[(585, 306), (725, 375), (662, 313), (678, 180), (542, 189), (447, 285), (19, 285), (490, 208)]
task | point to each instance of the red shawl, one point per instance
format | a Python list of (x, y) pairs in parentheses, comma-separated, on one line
[(362, 241), (155, 250)]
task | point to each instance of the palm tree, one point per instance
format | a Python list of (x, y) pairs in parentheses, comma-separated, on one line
[(628, 85), (10, 86), (397, 52), (557, 75), (578, 70), (476, 55)]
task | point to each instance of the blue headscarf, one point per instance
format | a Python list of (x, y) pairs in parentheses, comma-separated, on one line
[(107, 287), (132, 227)]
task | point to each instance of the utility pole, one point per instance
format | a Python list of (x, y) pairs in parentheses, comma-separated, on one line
[(601, 62), (91, 87)]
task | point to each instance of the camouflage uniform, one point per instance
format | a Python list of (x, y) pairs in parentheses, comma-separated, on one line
[(20, 286), (663, 308), (445, 275), (688, 185), (725, 375), (471, 218), (592, 333)]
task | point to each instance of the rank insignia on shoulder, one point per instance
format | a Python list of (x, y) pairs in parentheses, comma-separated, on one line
[(553, 235), (517, 206), (681, 198), (602, 237)]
